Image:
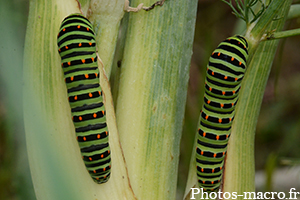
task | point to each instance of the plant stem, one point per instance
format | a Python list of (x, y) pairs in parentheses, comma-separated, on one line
[(284, 34)]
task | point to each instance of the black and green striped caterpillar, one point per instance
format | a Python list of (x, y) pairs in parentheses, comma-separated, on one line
[(224, 74), (77, 49)]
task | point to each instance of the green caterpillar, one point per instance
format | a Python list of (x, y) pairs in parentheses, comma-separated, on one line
[(225, 72), (77, 49)]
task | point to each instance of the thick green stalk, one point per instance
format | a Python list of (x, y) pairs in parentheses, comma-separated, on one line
[(152, 94), (56, 165), (106, 16), (239, 168)]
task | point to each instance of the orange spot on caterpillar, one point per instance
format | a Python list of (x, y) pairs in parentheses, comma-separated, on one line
[(232, 58), (226, 136), (220, 168), (220, 120), (236, 79), (86, 76), (94, 115), (99, 93), (240, 63), (212, 182), (104, 169), (66, 47), (90, 95), (72, 78), (64, 30), (79, 44), (106, 132), (208, 101), (59, 50), (102, 155), (212, 73), (213, 170), (233, 92), (73, 118), (206, 117), (83, 61), (223, 92), (69, 63), (75, 98), (215, 155), (84, 138), (94, 171), (62, 64), (230, 119), (210, 89), (232, 104), (204, 134), (217, 137), (212, 55), (202, 152), (219, 54), (202, 170), (105, 176), (225, 77), (90, 159), (98, 136), (78, 26), (90, 43), (80, 118), (102, 112), (222, 105), (98, 178), (96, 74), (93, 59), (87, 29), (223, 153), (108, 151), (203, 182)]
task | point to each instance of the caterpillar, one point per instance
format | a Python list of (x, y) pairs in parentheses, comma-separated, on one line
[(224, 74), (77, 49)]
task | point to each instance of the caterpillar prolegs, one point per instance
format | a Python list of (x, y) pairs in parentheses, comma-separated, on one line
[(77, 49), (224, 74)]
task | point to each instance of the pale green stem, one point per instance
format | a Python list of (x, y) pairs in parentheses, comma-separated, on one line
[(284, 34), (152, 94), (57, 169), (294, 11)]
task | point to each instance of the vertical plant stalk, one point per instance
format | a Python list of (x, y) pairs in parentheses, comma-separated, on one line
[(105, 16), (239, 169), (56, 165), (152, 94)]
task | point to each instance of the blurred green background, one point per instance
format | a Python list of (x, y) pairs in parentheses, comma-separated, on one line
[(278, 131)]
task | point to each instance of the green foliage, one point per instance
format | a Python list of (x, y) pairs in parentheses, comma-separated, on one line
[(244, 8)]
